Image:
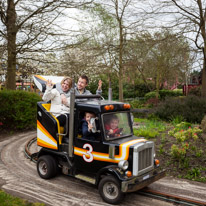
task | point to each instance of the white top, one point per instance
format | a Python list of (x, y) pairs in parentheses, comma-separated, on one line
[(57, 108)]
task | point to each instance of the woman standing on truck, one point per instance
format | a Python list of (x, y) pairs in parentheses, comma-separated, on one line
[(59, 107)]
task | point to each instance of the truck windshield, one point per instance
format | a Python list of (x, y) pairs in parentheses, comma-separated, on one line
[(117, 125)]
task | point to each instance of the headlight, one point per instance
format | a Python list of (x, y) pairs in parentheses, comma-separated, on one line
[(123, 164)]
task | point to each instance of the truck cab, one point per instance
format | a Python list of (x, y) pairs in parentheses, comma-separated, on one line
[(114, 160)]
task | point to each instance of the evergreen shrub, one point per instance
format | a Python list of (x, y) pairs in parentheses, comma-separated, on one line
[(170, 93), (191, 109), (164, 94), (151, 95), (18, 109), (137, 103), (131, 90)]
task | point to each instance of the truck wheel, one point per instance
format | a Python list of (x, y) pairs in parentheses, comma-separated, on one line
[(109, 190), (47, 167)]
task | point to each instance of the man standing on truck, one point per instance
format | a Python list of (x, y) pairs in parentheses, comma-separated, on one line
[(83, 83)]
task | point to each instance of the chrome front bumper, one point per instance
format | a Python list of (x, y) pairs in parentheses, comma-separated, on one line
[(139, 182)]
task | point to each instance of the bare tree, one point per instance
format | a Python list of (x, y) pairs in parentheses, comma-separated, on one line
[(117, 20), (29, 26), (188, 18)]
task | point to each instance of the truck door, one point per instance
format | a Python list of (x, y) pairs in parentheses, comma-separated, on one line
[(86, 149)]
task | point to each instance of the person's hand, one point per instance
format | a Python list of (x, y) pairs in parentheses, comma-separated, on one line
[(49, 84), (100, 85), (64, 99), (89, 126), (110, 131)]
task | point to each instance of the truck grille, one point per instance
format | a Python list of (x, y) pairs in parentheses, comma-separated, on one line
[(145, 159)]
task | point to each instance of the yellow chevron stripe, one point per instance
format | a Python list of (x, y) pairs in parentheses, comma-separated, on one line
[(42, 143), (47, 107), (43, 130), (40, 77)]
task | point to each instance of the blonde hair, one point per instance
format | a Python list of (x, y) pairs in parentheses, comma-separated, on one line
[(69, 79)]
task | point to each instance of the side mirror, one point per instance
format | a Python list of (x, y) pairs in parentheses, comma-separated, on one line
[(93, 123)]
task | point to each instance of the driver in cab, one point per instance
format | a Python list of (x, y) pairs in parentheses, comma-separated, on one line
[(112, 129)]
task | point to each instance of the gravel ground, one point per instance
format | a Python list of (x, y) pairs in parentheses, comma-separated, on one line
[(19, 177)]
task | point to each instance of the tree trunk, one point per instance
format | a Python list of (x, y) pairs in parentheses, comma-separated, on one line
[(120, 62), (204, 79), (11, 46)]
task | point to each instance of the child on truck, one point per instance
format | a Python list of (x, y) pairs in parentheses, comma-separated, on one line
[(87, 126), (111, 127)]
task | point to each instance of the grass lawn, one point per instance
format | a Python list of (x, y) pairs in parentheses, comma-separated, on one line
[(9, 200)]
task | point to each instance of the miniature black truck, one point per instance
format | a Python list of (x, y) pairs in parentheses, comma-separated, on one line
[(116, 164)]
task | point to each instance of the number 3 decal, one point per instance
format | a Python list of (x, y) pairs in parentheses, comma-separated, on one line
[(88, 157)]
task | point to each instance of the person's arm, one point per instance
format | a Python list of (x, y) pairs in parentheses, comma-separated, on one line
[(49, 94), (99, 89), (85, 131)]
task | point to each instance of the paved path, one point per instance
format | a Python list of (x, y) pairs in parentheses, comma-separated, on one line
[(18, 176)]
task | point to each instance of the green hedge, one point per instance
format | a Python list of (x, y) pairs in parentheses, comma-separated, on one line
[(163, 94), (18, 109), (130, 89), (191, 109)]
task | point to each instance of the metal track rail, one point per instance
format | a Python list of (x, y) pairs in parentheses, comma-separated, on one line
[(30, 156), (170, 197)]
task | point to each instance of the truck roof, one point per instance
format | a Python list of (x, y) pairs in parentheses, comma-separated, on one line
[(101, 106)]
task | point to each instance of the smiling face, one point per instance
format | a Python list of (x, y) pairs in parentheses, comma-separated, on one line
[(114, 123), (65, 85), (81, 84), (88, 116)]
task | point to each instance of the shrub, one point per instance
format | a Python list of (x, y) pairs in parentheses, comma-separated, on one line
[(170, 93), (18, 109), (138, 89), (164, 94), (131, 89), (137, 103), (182, 133), (191, 108), (195, 91), (151, 95)]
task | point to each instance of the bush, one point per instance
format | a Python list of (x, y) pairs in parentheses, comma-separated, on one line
[(164, 94), (195, 91), (137, 103), (138, 89), (18, 109), (170, 93), (151, 95), (191, 108), (130, 89)]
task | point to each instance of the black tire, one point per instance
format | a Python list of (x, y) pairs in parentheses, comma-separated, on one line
[(47, 167), (109, 190)]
